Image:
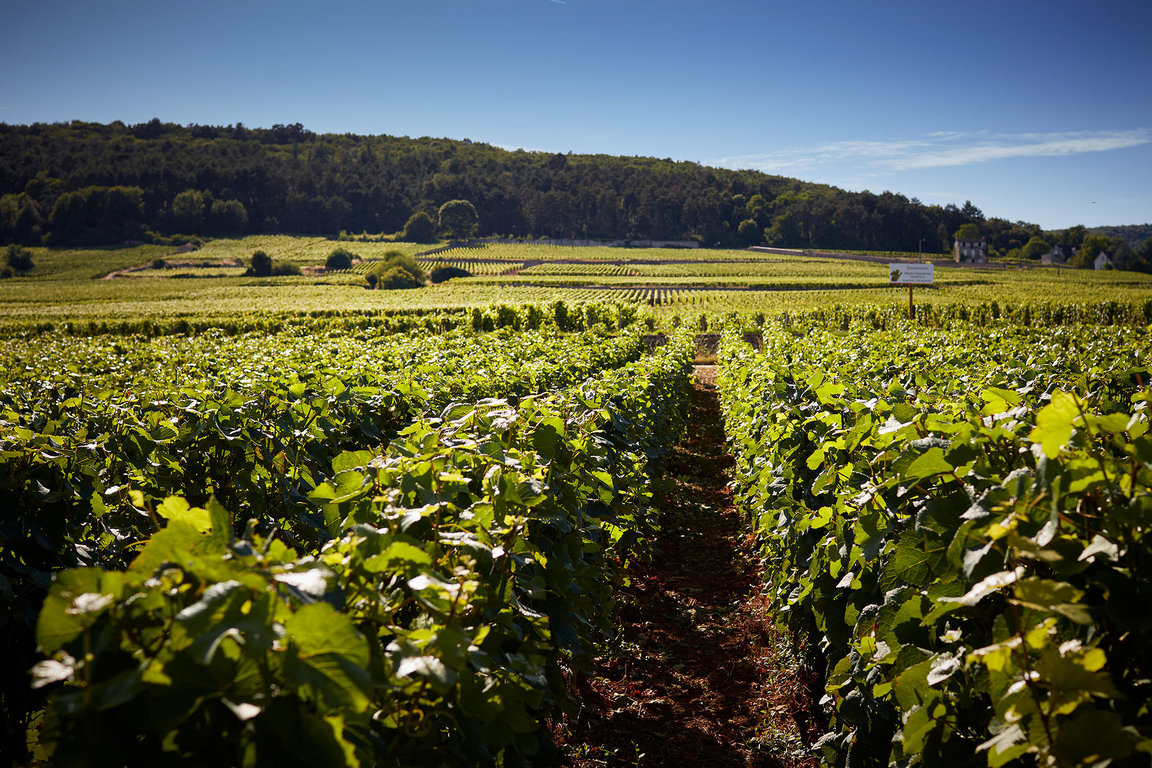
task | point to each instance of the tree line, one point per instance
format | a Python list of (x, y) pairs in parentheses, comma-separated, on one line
[(90, 183)]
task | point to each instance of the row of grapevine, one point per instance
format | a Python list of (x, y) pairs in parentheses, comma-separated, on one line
[(660, 296), (986, 313), (325, 322), (570, 268), (94, 435), (957, 526), (467, 577), (473, 267)]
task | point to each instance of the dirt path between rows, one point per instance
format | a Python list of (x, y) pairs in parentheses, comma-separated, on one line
[(698, 676)]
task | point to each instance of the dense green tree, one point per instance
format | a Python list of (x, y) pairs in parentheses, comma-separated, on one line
[(20, 219), (261, 264), (190, 210), (285, 268), (1140, 259), (228, 217), (1073, 236), (1133, 234), (341, 258), (44, 189), (97, 215), (785, 232), (971, 212), (1036, 247), (18, 259), (458, 219), (749, 232), (758, 209), (967, 231), (419, 228)]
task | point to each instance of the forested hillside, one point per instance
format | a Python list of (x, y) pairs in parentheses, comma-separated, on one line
[(235, 180), (1133, 234), (91, 183)]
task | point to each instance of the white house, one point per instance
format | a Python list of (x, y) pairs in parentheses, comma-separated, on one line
[(1102, 261), (973, 250)]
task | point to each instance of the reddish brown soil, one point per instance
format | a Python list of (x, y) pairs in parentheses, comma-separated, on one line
[(698, 676)]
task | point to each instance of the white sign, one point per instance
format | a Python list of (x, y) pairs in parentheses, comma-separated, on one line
[(905, 274)]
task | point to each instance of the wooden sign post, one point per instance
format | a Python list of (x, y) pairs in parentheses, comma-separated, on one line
[(902, 273)]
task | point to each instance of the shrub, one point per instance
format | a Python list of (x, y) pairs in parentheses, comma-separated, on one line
[(284, 269), (261, 264), (18, 258), (397, 270), (341, 258), (445, 272), (395, 277)]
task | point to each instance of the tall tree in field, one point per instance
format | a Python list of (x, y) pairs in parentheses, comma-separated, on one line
[(458, 219)]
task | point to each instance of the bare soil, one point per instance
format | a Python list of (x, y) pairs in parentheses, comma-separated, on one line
[(698, 675)]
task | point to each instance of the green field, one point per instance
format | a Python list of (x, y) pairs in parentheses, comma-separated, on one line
[(74, 285), (291, 520)]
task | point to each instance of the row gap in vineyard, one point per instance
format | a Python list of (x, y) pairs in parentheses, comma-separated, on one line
[(698, 675)]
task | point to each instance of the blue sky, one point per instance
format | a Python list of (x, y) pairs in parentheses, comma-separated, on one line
[(1034, 111)]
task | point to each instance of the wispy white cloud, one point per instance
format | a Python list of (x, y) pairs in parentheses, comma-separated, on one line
[(940, 150)]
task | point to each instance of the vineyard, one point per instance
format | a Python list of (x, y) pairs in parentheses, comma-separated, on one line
[(293, 521), (958, 522), (405, 545)]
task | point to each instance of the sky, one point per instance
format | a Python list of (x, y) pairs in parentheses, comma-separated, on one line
[(1037, 111)]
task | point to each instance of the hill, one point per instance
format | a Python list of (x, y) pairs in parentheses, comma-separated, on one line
[(1133, 234), (94, 183)]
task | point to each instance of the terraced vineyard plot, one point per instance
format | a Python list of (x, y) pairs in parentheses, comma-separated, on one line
[(529, 251), (473, 267), (793, 270), (593, 270)]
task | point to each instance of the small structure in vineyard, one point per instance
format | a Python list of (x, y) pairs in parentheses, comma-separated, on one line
[(973, 250)]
